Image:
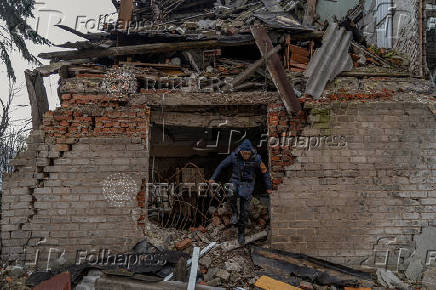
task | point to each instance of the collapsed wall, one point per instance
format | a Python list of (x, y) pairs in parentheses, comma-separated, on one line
[(76, 186), (354, 178)]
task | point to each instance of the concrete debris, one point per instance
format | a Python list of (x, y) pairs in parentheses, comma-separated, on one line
[(214, 282), (235, 264), (388, 279), (15, 271), (223, 274), (429, 279), (206, 262), (88, 282), (210, 275), (306, 285), (422, 255)]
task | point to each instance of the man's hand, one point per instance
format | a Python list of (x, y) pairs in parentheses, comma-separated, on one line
[(269, 191), (211, 181)]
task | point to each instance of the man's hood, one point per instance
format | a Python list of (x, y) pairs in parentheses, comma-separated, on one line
[(245, 146)]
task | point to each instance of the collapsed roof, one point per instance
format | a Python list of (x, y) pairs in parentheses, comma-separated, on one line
[(224, 45)]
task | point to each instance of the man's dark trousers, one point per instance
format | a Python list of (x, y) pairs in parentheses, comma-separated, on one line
[(244, 204)]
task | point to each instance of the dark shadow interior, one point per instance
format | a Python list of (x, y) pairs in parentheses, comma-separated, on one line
[(181, 154)]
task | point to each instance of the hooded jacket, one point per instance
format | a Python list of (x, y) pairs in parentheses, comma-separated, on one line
[(244, 171)]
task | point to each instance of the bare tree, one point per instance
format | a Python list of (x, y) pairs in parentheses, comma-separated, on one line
[(12, 133)]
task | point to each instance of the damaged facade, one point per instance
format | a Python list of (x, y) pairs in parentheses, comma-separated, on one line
[(348, 130)]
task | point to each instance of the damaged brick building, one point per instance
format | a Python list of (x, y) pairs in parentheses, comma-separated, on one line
[(349, 134)]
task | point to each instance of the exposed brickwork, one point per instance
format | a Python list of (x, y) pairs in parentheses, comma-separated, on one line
[(280, 126), (86, 121), (372, 177), (57, 193)]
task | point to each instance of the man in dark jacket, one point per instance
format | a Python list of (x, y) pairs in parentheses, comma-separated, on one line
[(245, 161)]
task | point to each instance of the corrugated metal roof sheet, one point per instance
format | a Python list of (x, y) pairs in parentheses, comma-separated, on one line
[(329, 60), (384, 23)]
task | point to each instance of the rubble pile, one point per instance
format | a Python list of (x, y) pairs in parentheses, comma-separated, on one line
[(13, 277), (206, 19), (210, 46), (219, 267)]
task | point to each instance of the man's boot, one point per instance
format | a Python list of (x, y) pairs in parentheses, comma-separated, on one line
[(241, 237), (234, 219), (234, 206)]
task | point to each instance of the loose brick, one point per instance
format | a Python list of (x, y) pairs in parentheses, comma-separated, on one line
[(182, 245)]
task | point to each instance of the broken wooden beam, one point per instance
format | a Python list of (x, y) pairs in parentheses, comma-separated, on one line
[(37, 96), (239, 79), (359, 48), (125, 13), (229, 246), (276, 70), (308, 35), (141, 49), (156, 65), (48, 70), (369, 74), (81, 34), (308, 268), (202, 120), (191, 60), (252, 68), (181, 270), (310, 12)]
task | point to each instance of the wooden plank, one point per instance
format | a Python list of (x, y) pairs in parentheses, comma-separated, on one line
[(368, 74), (48, 70), (276, 70), (125, 14), (191, 60), (283, 261), (194, 269), (37, 96), (194, 120), (299, 54), (141, 49), (228, 246), (156, 65), (298, 65), (310, 12), (252, 68), (268, 283), (181, 270), (359, 48)]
